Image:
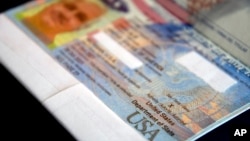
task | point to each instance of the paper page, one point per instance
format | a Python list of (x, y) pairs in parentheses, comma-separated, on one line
[(63, 95), (87, 118), (228, 26), (38, 71)]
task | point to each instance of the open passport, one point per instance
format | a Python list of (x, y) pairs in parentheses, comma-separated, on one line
[(156, 70)]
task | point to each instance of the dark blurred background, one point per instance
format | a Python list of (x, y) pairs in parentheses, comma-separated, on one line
[(24, 118)]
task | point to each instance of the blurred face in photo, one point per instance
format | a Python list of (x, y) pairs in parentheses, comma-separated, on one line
[(63, 16)]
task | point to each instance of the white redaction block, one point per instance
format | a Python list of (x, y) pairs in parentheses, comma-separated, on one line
[(117, 50), (207, 71)]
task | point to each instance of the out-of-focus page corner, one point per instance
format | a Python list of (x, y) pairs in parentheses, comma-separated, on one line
[(31, 65), (87, 118)]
